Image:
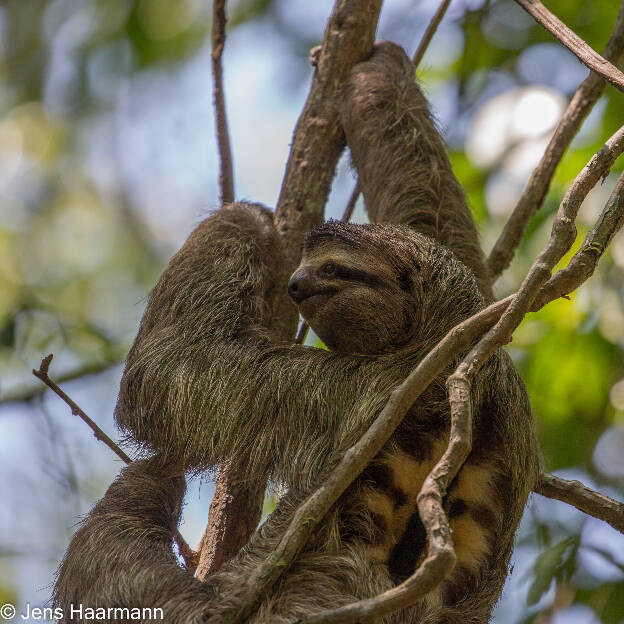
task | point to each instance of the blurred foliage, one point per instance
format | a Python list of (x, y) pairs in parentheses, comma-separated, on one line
[(91, 199)]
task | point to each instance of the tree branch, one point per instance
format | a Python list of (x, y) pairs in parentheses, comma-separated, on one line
[(428, 34), (234, 515), (583, 263), (226, 176), (587, 55), (318, 140), (30, 392), (188, 554), (535, 191), (317, 144), (583, 498)]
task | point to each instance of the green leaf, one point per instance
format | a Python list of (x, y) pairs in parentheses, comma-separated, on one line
[(554, 563)]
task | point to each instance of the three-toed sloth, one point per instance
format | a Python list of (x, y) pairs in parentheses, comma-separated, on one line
[(205, 382)]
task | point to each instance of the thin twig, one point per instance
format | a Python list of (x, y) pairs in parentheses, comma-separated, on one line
[(30, 392), (431, 29), (350, 207), (561, 239), (226, 176), (536, 188), (583, 498), (587, 55), (583, 263), (42, 374), (188, 554)]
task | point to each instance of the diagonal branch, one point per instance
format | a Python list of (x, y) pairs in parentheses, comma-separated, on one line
[(587, 55), (561, 239), (42, 373), (188, 554), (431, 29), (580, 496), (535, 191), (226, 176)]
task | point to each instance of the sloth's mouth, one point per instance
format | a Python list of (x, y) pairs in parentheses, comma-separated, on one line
[(311, 305)]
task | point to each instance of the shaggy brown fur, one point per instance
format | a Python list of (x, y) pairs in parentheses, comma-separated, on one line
[(204, 381)]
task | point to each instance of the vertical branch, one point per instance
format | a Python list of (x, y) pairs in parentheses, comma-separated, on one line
[(318, 140), (535, 191), (234, 514), (226, 177)]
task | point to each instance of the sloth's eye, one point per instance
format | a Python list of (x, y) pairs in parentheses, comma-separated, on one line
[(328, 269)]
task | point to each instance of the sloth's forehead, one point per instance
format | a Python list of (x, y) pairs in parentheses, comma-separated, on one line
[(341, 253)]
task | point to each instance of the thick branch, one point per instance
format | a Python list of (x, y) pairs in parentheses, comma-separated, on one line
[(318, 140), (188, 554), (578, 495), (587, 55), (226, 176), (234, 515), (535, 191)]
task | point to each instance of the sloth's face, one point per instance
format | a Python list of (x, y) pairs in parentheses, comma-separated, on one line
[(352, 300)]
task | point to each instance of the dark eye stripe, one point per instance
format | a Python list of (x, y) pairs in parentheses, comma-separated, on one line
[(357, 275)]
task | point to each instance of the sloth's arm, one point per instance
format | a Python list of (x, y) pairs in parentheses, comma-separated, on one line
[(122, 555), (204, 381), (401, 159)]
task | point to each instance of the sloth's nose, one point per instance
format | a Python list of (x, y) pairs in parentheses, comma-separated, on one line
[(301, 286)]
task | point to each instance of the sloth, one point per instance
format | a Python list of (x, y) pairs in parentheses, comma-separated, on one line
[(206, 381)]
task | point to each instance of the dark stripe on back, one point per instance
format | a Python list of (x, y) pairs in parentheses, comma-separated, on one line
[(405, 280), (380, 477), (484, 516), (406, 552), (457, 508)]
